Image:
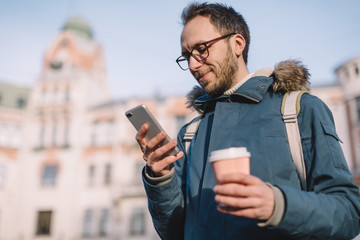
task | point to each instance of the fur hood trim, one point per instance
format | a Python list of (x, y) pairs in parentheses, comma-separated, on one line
[(289, 75)]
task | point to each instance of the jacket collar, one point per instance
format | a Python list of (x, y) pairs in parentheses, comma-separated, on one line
[(253, 90), (289, 75)]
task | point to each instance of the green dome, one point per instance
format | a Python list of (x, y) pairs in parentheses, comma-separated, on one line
[(80, 26)]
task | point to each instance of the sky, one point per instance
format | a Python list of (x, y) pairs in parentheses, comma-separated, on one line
[(141, 39)]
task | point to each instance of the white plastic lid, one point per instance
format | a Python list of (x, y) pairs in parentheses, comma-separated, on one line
[(233, 152)]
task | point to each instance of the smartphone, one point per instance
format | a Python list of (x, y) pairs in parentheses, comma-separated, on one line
[(140, 115)]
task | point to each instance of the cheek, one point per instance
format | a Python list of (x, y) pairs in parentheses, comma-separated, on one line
[(217, 59)]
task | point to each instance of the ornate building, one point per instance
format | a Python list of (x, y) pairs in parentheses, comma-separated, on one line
[(13, 101), (69, 164), (349, 77)]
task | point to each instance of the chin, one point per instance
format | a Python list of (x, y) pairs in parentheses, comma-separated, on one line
[(206, 88), (211, 92)]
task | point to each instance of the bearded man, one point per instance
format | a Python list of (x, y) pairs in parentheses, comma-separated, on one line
[(242, 109)]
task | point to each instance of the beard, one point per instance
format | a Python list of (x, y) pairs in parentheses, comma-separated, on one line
[(224, 75)]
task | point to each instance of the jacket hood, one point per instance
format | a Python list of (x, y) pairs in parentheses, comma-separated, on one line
[(289, 75)]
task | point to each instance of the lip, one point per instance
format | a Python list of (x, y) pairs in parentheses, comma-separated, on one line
[(202, 77)]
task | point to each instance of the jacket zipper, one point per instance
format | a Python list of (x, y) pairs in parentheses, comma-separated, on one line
[(245, 96)]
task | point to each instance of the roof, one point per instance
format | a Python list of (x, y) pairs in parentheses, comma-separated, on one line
[(13, 96), (353, 59), (80, 26)]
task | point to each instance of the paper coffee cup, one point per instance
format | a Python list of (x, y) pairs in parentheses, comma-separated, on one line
[(230, 160)]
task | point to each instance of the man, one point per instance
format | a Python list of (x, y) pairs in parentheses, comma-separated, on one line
[(243, 110)]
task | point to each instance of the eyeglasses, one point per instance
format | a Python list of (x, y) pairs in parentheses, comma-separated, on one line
[(200, 52)]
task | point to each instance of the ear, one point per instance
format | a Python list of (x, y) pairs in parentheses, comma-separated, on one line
[(240, 44)]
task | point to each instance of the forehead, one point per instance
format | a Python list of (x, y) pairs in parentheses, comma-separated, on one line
[(196, 31)]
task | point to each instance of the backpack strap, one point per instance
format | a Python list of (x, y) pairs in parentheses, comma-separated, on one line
[(290, 109), (191, 131)]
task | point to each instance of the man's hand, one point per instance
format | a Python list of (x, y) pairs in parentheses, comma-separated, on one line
[(244, 195), (154, 152)]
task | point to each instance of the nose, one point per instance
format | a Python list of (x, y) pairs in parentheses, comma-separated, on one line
[(194, 64)]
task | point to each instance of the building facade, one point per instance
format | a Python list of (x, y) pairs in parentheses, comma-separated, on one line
[(13, 101), (348, 75), (69, 165)]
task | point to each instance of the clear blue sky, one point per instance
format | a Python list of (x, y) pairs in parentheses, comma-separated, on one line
[(140, 38)]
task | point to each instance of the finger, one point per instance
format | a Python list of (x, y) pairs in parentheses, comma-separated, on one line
[(245, 179), (165, 162), (140, 136), (159, 166), (247, 212), (237, 202), (152, 145), (234, 189), (161, 151), (260, 213), (259, 190), (259, 197), (156, 141)]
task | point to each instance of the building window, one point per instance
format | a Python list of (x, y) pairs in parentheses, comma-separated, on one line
[(63, 43), (42, 136), (66, 135), (347, 74), (67, 94), (87, 224), (55, 96), (110, 133), (42, 98), (49, 175), (104, 223), (91, 175), (94, 135), (344, 74), (2, 175), (43, 223), (16, 134), (356, 70), (4, 134), (358, 108), (137, 222), (56, 64), (21, 102), (107, 176), (53, 137)]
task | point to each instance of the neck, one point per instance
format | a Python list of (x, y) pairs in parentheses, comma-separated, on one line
[(240, 77), (241, 73), (237, 85)]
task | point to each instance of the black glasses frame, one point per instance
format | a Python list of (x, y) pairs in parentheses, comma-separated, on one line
[(202, 51)]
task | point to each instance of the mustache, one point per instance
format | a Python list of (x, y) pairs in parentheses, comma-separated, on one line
[(198, 74)]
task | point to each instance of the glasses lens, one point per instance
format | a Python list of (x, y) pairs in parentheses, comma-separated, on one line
[(183, 63), (200, 53)]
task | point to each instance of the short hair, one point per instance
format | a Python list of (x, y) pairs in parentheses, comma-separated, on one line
[(224, 18)]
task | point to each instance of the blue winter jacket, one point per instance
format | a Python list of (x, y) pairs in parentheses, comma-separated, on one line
[(184, 207)]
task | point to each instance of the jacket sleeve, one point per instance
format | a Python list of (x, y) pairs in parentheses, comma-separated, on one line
[(166, 201), (330, 208)]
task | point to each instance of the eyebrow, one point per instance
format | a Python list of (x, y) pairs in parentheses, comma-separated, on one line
[(195, 46), (185, 54)]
